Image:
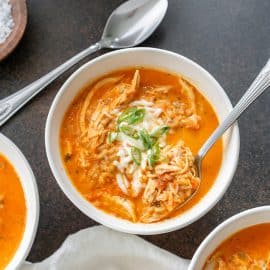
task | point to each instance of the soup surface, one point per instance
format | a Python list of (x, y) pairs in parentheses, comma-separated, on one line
[(128, 140), (12, 212), (248, 249)]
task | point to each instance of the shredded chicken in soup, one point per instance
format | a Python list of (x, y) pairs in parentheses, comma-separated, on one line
[(248, 249), (123, 142)]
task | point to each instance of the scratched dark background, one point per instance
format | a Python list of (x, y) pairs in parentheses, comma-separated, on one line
[(230, 38)]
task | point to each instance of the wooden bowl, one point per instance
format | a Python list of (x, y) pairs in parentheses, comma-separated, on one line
[(19, 14)]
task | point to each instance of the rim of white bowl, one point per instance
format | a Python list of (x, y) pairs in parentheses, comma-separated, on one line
[(32, 204), (112, 221), (234, 219)]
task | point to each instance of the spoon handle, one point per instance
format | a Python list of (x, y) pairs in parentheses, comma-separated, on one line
[(259, 85), (11, 104)]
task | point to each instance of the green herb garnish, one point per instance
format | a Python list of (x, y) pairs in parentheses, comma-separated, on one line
[(136, 155), (129, 131), (154, 154), (160, 132), (146, 139), (132, 116)]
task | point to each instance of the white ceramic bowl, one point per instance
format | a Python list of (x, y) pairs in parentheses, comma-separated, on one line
[(225, 230), (28, 182), (147, 57)]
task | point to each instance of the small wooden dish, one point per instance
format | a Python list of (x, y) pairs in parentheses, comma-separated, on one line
[(19, 14)]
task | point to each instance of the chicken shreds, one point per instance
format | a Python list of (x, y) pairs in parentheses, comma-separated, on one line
[(247, 249), (170, 184), (98, 120), (117, 149), (239, 261)]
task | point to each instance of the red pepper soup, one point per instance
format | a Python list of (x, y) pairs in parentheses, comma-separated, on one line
[(246, 249), (12, 212), (128, 143)]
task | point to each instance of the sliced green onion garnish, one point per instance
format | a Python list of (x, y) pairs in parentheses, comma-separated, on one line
[(145, 138), (129, 131), (132, 116), (136, 155), (154, 154), (125, 116), (139, 116), (112, 136), (160, 131)]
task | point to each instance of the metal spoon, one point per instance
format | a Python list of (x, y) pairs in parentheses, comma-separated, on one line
[(129, 25), (259, 85)]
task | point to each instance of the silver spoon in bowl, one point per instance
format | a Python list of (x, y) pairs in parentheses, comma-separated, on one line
[(259, 85), (129, 25)]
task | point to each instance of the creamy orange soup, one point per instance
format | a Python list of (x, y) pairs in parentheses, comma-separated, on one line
[(12, 212), (247, 249), (128, 143)]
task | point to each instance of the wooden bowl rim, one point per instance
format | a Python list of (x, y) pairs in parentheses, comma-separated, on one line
[(19, 14)]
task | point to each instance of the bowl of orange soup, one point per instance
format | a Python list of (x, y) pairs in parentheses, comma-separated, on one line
[(121, 137), (241, 242), (19, 206)]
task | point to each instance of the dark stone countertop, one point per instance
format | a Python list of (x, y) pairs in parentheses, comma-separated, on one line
[(230, 38)]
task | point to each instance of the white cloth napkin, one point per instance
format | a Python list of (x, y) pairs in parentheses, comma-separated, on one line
[(100, 248)]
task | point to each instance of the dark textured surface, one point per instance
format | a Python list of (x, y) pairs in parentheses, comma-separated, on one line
[(230, 38)]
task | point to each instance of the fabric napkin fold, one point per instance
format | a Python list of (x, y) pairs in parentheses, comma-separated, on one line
[(100, 248)]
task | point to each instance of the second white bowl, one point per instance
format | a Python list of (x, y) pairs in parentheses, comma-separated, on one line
[(28, 182), (226, 229)]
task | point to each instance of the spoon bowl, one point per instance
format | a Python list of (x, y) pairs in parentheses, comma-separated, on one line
[(133, 22)]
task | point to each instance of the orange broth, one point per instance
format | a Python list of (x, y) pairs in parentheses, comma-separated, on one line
[(192, 138), (252, 241), (12, 212)]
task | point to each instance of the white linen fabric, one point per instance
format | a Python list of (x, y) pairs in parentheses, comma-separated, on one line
[(100, 248)]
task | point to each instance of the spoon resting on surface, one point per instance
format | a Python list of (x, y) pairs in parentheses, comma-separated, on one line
[(129, 25)]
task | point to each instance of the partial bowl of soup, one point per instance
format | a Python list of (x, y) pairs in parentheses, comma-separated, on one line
[(241, 242), (19, 206), (121, 137)]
